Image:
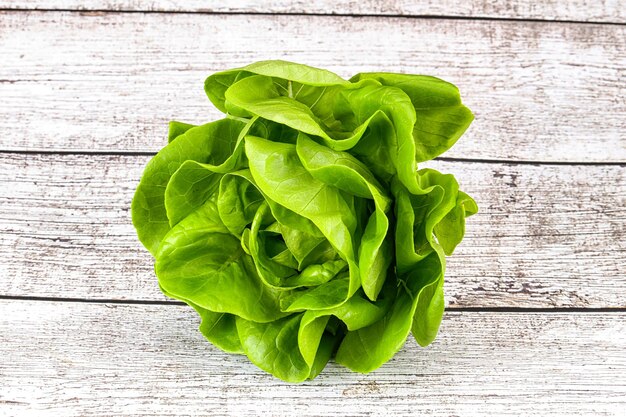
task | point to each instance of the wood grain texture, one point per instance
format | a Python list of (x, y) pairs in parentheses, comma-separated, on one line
[(109, 81), (546, 236), (578, 10), (82, 359)]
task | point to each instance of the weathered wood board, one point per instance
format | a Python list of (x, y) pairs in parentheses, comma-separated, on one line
[(578, 10), (546, 236), (84, 359), (111, 81)]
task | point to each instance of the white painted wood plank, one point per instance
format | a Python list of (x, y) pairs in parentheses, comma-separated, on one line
[(81, 359), (546, 236), (578, 10), (85, 82)]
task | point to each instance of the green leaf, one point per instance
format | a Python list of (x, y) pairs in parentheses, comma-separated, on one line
[(188, 188), (217, 84), (176, 129), (344, 172), (441, 119), (219, 329), (371, 104), (366, 349), (199, 261), (273, 273), (286, 348), (278, 172), (212, 143), (428, 313), (417, 215), (238, 201), (451, 229)]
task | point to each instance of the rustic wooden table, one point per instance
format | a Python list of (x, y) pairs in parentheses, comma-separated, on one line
[(536, 319)]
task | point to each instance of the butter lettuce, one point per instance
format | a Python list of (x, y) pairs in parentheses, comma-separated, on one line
[(299, 227)]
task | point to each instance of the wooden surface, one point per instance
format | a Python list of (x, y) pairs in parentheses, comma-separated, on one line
[(613, 11), (536, 323), (75, 359), (540, 91)]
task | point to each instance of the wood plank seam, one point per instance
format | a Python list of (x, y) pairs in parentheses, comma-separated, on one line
[(353, 15), (397, 12), (460, 309), (440, 158)]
